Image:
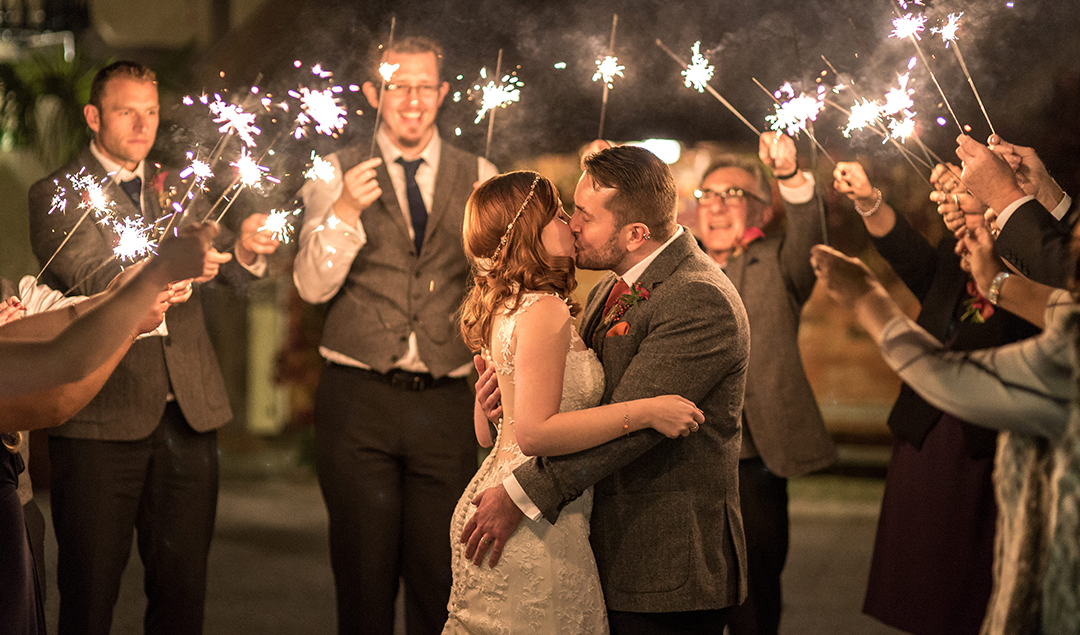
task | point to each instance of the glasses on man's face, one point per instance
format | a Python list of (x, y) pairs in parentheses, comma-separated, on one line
[(424, 91), (730, 196)]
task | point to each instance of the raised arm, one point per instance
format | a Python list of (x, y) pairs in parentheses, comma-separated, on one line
[(804, 211)]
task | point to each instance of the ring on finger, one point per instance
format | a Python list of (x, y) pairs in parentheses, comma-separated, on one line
[(956, 199), (485, 540)]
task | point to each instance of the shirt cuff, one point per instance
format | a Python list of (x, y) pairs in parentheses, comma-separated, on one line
[(798, 195), (1003, 215), (521, 499), (257, 268), (162, 330), (1062, 207)]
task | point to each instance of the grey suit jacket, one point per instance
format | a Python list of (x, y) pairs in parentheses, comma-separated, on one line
[(774, 279), (666, 526), (133, 399)]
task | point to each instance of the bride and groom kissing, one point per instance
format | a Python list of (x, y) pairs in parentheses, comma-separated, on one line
[(633, 462)]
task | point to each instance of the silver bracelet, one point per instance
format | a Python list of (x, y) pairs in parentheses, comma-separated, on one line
[(873, 210), (995, 287)]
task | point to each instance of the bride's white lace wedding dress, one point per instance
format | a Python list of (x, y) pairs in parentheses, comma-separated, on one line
[(546, 581)]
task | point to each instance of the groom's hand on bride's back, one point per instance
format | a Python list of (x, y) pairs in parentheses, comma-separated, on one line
[(487, 390), (495, 520)]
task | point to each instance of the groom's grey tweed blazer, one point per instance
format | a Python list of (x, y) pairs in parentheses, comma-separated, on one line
[(666, 525)]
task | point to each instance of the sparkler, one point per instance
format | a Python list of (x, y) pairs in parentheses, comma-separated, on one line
[(909, 27), (386, 71), (867, 113), (494, 96), (321, 107), (796, 114), (606, 70), (134, 239), (279, 225), (93, 202), (698, 74), (234, 119), (948, 33), (320, 169)]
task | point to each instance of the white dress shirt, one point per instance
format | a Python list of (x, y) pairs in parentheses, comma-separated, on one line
[(1058, 212), (329, 245)]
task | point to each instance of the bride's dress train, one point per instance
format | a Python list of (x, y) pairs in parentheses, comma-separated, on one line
[(546, 581)]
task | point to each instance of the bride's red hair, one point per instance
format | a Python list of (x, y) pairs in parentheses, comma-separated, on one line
[(522, 264)]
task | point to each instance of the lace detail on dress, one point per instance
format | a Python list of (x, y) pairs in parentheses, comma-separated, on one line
[(546, 581)]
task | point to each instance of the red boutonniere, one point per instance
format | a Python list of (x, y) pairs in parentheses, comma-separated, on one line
[(623, 304), (977, 309), (164, 194)]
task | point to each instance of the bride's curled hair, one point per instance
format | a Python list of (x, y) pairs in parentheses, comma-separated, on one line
[(502, 273)]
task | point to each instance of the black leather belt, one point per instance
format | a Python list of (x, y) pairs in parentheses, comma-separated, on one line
[(404, 379)]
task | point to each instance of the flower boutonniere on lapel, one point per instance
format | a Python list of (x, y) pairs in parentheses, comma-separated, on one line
[(623, 304), (164, 194), (977, 309)]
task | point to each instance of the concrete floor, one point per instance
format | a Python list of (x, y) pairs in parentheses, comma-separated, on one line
[(270, 574)]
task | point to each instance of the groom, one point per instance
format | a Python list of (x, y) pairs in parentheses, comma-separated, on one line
[(666, 526)]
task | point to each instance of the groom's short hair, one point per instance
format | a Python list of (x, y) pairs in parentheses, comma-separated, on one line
[(645, 191)]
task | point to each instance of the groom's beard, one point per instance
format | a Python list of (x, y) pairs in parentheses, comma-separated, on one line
[(602, 258)]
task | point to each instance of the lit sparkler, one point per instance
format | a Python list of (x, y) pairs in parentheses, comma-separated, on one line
[(279, 225), (249, 172), (793, 115), (498, 95), (898, 99), (234, 119), (697, 75), (949, 35), (909, 25), (864, 114), (607, 69), (901, 129), (199, 169), (699, 71), (321, 107), (386, 70), (134, 239), (320, 169)]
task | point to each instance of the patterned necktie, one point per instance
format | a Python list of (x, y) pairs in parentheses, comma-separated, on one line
[(417, 211), (133, 189)]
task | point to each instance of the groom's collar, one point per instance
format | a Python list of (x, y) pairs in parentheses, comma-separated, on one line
[(634, 273)]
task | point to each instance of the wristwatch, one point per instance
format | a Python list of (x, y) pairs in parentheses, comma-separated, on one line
[(995, 287)]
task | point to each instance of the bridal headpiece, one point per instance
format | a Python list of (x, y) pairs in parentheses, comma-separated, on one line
[(510, 227)]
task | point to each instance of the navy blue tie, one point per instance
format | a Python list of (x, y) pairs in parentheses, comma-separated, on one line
[(417, 211), (133, 189)]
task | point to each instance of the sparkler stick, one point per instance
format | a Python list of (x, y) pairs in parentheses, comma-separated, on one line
[(617, 70), (89, 275), (712, 91), (805, 127), (64, 242), (912, 34), (382, 88), (491, 113), (948, 35), (886, 137)]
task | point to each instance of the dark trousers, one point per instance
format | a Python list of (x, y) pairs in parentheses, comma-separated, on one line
[(165, 488), (764, 502), (21, 606), (685, 623), (392, 463)]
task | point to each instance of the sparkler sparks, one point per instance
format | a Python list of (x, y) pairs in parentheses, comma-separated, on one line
[(233, 118), (200, 169), (864, 114), (909, 25), (699, 71), (386, 70), (948, 31), (249, 172), (322, 108), (607, 70), (320, 169), (497, 95), (279, 225), (902, 128), (59, 200), (792, 115), (134, 239), (898, 99)]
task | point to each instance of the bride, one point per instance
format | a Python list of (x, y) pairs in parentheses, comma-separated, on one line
[(518, 314)]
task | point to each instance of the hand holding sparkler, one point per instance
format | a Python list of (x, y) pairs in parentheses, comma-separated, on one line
[(1031, 174), (987, 175), (255, 240), (777, 151), (10, 310), (359, 190), (850, 179), (954, 201)]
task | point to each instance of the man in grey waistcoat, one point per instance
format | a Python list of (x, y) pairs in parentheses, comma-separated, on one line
[(381, 243)]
